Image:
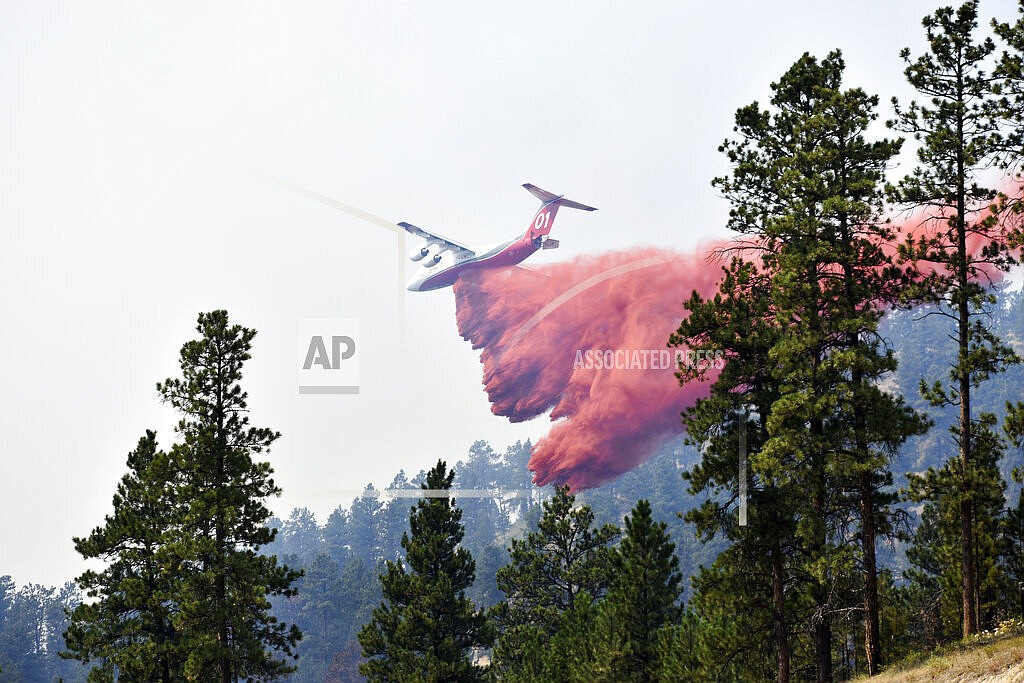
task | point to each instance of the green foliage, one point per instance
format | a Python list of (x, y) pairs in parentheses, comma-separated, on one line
[(959, 132), (561, 567), (579, 610), (364, 525), (130, 628), (1009, 107), (643, 597), (393, 519), (705, 647), (186, 592), (426, 628), (300, 537), (799, 327), (937, 549), (515, 517), (223, 583), (1013, 539), (331, 602)]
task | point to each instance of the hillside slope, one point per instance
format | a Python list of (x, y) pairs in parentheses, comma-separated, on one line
[(996, 660)]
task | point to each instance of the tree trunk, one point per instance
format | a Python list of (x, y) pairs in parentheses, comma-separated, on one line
[(822, 601), (969, 573), (872, 646), (779, 615), (823, 649), (220, 566), (969, 569), (969, 578)]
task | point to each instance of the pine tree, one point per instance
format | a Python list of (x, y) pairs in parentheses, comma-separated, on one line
[(1013, 538), (129, 627), (364, 524), (185, 593), (562, 567), (323, 623), (1008, 108), (300, 536), (833, 282), (739, 322), (959, 138), (336, 535), (806, 189), (933, 582), (223, 583), (425, 629), (936, 551), (393, 519), (644, 594), (705, 647)]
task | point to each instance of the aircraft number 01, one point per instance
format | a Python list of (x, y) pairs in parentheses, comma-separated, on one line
[(542, 219)]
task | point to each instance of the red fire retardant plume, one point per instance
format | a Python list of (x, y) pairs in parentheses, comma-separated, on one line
[(534, 329)]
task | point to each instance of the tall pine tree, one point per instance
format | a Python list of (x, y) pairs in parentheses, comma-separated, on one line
[(739, 322), (959, 138), (426, 629), (186, 593), (223, 583), (806, 193)]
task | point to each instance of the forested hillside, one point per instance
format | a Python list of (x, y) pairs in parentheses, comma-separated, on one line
[(342, 555)]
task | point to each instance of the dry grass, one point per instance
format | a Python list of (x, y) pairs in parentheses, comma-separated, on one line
[(996, 660)]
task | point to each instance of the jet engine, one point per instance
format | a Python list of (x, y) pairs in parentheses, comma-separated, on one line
[(444, 259), (435, 257), (419, 252)]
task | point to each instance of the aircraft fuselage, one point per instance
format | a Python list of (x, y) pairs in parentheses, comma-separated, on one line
[(502, 255)]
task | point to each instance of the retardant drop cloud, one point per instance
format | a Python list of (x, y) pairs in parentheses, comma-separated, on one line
[(586, 339)]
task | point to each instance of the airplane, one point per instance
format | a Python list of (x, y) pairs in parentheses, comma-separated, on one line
[(444, 259)]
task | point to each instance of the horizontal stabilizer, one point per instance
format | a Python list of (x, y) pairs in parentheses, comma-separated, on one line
[(548, 197)]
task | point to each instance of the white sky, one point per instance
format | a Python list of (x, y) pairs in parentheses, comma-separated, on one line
[(138, 143)]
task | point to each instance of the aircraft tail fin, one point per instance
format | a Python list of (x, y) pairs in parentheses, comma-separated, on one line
[(548, 198), (542, 221)]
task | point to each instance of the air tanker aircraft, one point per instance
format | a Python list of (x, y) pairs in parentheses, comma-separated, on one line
[(444, 259)]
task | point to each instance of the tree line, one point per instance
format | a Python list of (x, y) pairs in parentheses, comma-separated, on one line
[(581, 602), (539, 634)]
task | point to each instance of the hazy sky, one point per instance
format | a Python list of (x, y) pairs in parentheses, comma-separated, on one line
[(138, 147)]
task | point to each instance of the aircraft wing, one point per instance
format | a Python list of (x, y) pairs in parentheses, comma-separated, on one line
[(434, 238)]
